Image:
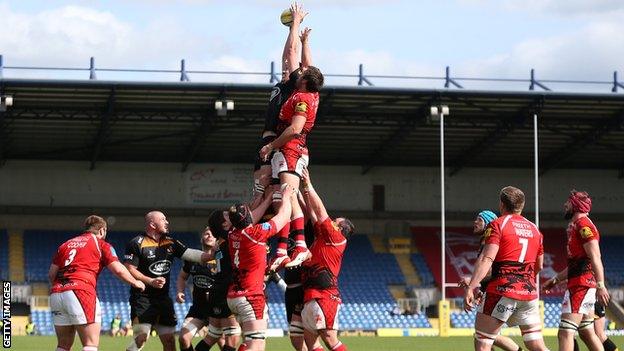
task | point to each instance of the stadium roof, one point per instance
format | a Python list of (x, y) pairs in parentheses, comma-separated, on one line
[(365, 126)]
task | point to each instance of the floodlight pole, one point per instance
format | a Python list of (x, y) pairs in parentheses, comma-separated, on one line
[(440, 111)]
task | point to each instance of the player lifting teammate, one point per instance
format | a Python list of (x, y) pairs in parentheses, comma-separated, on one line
[(320, 274), (149, 257), (210, 283), (247, 245), (514, 251), (73, 277), (585, 276)]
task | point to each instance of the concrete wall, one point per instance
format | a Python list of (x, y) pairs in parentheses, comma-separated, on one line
[(60, 184)]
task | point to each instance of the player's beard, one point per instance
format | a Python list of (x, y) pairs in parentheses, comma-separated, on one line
[(568, 215)]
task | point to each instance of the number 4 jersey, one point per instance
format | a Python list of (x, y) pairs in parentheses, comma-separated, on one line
[(520, 244), (80, 261)]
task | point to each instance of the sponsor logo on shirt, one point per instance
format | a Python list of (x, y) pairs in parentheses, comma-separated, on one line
[(586, 232), (128, 257), (266, 226), (487, 232), (202, 281), (161, 267), (301, 107)]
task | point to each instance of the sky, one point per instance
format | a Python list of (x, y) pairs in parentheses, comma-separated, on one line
[(560, 39)]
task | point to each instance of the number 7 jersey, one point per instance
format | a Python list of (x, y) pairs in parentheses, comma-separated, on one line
[(513, 270)]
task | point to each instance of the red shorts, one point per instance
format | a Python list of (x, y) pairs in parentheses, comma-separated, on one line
[(248, 308), (75, 307), (579, 299), (288, 160), (321, 313)]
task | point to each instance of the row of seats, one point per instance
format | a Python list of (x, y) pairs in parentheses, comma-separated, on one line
[(424, 272)]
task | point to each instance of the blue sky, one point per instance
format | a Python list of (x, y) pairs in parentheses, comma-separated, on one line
[(574, 39)]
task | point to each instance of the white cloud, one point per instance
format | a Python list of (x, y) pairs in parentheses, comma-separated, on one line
[(555, 7)]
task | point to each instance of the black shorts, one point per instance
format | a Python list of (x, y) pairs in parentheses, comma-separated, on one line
[(599, 310), (258, 162), (152, 310), (294, 302)]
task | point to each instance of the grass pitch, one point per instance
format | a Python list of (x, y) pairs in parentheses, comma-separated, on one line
[(354, 343)]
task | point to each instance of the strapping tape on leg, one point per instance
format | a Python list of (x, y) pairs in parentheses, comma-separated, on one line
[(296, 328), (214, 332), (142, 328), (231, 331), (164, 330), (485, 338), (277, 197), (258, 188), (190, 326), (568, 326), (255, 335), (532, 334), (586, 323)]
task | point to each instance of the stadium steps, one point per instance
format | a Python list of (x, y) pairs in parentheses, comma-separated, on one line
[(408, 269), (16, 256), (377, 242), (397, 291)]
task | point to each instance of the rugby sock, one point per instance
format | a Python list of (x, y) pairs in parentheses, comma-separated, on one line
[(282, 244), (202, 346), (609, 345), (339, 347), (576, 347), (297, 225), (242, 347)]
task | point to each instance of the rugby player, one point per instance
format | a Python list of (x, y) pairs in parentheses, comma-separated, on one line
[(483, 219), (247, 245), (584, 274), (73, 276), (210, 283), (149, 257), (321, 297), (515, 253)]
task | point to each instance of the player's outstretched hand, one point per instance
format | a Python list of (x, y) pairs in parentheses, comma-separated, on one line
[(298, 12), (138, 285), (158, 283), (304, 34), (180, 297), (287, 191), (469, 300)]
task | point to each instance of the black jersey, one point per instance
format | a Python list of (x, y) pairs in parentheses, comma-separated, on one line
[(154, 259), (292, 276), (280, 93), (213, 277)]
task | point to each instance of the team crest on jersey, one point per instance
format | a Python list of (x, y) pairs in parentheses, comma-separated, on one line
[(586, 232), (161, 267), (487, 232), (151, 254), (301, 107)]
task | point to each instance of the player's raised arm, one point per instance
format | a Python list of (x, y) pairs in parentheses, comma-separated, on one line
[(290, 55), (306, 53), (317, 211)]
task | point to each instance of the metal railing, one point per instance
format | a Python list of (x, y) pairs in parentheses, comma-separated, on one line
[(362, 79)]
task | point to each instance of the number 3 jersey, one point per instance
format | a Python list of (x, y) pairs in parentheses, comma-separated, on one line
[(520, 244), (213, 277), (80, 261)]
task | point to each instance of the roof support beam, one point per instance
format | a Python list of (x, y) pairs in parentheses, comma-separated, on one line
[(409, 123), (503, 128), (104, 130), (579, 142)]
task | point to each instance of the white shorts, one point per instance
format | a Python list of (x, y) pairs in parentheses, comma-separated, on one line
[(288, 161), (316, 317), (249, 308), (75, 308), (579, 300), (511, 311)]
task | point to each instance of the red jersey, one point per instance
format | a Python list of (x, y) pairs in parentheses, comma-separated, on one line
[(320, 273), (519, 244), (580, 271), (248, 252), (80, 261), (299, 103)]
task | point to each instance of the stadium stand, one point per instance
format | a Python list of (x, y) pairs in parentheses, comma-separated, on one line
[(4, 254), (423, 270)]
